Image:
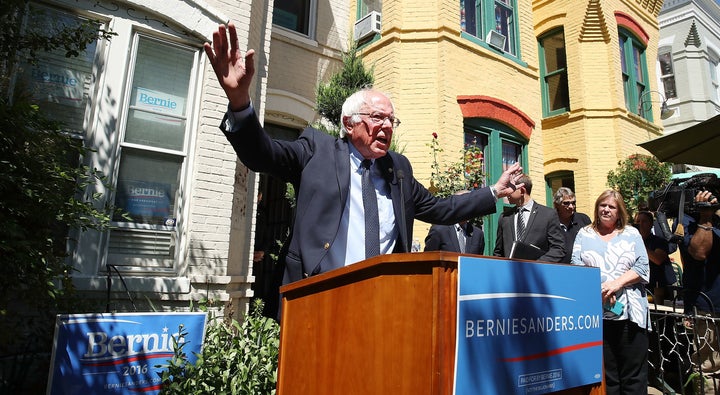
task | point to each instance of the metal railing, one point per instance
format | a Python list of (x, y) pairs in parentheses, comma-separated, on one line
[(675, 366)]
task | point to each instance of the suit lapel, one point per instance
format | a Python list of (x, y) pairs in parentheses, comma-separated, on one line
[(342, 166), (531, 219)]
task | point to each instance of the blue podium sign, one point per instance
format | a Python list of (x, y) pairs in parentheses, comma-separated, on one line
[(118, 353), (526, 328)]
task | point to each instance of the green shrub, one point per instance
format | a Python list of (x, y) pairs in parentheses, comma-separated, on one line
[(236, 359), (637, 176)]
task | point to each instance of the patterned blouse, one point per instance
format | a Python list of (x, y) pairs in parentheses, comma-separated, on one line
[(626, 251)]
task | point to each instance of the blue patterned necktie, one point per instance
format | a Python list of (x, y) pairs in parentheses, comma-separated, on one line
[(372, 221)]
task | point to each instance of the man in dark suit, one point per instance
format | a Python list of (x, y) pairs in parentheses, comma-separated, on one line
[(339, 180), (461, 237), (570, 220), (531, 223)]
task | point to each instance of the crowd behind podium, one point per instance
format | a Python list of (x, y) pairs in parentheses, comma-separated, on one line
[(659, 324), (357, 199)]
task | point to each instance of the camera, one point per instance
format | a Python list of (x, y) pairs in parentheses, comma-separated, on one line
[(677, 195)]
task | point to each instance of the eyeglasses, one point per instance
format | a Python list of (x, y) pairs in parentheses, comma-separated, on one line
[(380, 120), (569, 202)]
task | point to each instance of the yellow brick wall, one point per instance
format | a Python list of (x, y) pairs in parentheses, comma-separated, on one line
[(424, 64), (598, 132), (422, 61)]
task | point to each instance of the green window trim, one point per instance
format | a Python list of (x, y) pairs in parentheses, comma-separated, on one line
[(634, 73), (554, 83), (495, 134), (477, 17)]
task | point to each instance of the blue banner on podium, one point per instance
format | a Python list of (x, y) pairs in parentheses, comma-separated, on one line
[(526, 328), (118, 353)]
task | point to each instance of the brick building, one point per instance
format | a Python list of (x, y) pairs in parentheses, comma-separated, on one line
[(557, 87)]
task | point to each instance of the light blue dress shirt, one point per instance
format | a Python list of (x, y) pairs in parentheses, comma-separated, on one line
[(349, 245)]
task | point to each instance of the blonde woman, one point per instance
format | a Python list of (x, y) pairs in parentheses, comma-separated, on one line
[(610, 244)]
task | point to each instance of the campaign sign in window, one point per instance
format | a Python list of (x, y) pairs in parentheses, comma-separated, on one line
[(526, 328), (119, 353), (145, 201)]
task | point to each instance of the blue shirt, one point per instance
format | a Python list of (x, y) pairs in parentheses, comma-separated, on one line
[(350, 245)]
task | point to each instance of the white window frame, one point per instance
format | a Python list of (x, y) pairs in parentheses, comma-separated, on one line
[(714, 70), (130, 263), (106, 132), (312, 21), (664, 76)]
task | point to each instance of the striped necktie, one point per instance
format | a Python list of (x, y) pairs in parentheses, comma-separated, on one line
[(520, 223), (462, 237), (372, 221)]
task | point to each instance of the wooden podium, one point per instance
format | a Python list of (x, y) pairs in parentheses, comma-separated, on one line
[(385, 325)]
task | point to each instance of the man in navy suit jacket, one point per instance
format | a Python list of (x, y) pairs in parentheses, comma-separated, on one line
[(542, 226), (446, 238), (325, 172)]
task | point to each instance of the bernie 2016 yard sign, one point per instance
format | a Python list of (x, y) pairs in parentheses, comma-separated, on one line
[(526, 328), (119, 353)]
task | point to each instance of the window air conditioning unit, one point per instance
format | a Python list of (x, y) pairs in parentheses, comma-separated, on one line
[(367, 26), (495, 40)]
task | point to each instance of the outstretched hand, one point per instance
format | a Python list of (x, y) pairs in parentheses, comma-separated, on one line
[(507, 183), (233, 71)]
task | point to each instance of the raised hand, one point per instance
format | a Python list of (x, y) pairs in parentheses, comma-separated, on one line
[(233, 71), (507, 183)]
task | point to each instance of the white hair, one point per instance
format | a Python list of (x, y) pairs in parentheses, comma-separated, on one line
[(353, 104)]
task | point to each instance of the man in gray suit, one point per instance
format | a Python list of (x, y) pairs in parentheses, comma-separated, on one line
[(531, 223)]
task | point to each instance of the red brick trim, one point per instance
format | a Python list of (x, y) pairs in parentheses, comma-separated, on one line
[(629, 23), (498, 110)]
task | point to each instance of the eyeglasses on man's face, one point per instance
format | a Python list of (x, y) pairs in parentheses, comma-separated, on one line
[(569, 202), (378, 119)]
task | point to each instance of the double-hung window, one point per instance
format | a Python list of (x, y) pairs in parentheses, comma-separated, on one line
[(634, 73), (479, 17), (667, 73), (153, 154), (554, 75), (132, 101)]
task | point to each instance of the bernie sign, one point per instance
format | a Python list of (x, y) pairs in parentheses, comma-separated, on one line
[(526, 328), (119, 353)]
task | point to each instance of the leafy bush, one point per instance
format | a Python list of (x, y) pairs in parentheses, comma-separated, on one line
[(236, 359), (466, 174), (636, 177), (42, 184), (330, 96)]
